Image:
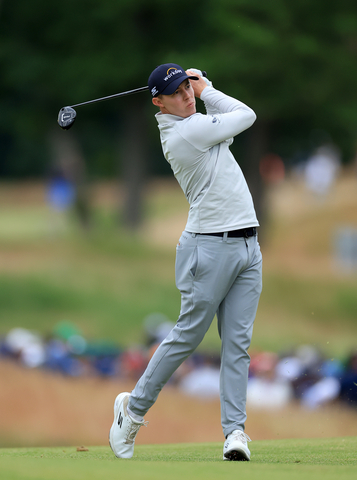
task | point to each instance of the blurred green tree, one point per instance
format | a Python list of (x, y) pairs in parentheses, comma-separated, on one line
[(294, 63)]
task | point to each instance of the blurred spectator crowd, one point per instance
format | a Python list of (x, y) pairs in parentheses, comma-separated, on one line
[(303, 374)]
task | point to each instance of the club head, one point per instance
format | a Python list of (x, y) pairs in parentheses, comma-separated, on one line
[(66, 117)]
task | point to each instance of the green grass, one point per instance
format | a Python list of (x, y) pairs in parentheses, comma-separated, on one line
[(295, 311), (108, 284), (327, 459)]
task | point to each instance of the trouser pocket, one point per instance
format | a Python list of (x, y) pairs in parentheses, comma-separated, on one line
[(186, 261), (194, 262)]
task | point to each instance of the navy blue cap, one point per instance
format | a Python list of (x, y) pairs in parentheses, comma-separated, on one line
[(166, 78)]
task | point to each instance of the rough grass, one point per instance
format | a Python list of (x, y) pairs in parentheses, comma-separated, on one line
[(109, 298), (107, 282), (280, 459)]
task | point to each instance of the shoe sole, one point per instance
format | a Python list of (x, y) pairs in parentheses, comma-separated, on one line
[(117, 403), (236, 456)]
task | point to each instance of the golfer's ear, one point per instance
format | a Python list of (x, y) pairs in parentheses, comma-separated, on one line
[(157, 102)]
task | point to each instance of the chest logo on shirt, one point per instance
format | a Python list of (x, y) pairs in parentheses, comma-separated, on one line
[(215, 120)]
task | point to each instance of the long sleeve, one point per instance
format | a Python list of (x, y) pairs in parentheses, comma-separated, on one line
[(205, 131)]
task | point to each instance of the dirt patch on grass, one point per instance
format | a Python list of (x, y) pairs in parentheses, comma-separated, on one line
[(40, 408)]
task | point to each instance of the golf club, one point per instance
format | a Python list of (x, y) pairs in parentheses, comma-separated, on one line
[(67, 115)]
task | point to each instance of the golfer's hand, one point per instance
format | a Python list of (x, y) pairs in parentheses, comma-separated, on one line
[(197, 85), (199, 73)]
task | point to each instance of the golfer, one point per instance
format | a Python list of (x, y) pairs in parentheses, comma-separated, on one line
[(218, 260)]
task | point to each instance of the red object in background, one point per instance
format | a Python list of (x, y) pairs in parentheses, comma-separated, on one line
[(272, 168)]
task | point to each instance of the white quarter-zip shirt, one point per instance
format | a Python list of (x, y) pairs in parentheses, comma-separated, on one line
[(197, 148)]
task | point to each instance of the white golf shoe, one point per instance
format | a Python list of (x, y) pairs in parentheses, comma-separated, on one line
[(124, 429), (235, 447)]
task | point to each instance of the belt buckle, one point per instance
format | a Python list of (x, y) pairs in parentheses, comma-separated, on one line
[(251, 229)]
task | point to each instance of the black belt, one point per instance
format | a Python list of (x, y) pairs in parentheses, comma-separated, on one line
[(243, 232)]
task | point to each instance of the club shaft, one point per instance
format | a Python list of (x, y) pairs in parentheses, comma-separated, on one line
[(122, 94)]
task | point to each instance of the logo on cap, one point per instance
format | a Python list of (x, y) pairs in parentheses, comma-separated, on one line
[(171, 74)]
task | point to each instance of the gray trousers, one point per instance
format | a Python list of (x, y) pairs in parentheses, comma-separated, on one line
[(215, 275)]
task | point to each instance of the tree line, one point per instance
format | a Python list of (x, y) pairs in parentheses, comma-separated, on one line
[(294, 63)]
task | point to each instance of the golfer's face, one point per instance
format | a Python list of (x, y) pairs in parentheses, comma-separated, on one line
[(181, 103)]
